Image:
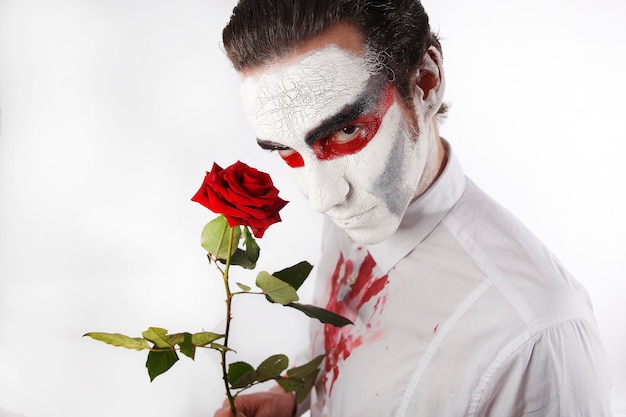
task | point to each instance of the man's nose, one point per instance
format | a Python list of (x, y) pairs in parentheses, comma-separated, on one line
[(327, 187)]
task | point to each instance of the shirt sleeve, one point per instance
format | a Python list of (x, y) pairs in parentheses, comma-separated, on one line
[(559, 372)]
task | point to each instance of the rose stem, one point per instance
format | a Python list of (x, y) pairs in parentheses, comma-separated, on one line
[(229, 297)]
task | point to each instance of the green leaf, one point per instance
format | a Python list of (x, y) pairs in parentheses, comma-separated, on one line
[(187, 347), (221, 348), (295, 275), (323, 315), (158, 336), (301, 380), (252, 248), (215, 237), (306, 369), (301, 387), (276, 289), (204, 338), (240, 258), (160, 361), (243, 287), (272, 367), (175, 339), (241, 374), (246, 259), (117, 339)]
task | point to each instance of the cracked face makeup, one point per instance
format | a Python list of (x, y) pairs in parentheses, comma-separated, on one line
[(337, 124), (349, 131)]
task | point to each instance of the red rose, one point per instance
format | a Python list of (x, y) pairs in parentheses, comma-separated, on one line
[(244, 195)]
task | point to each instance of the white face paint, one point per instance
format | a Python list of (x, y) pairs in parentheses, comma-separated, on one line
[(338, 125)]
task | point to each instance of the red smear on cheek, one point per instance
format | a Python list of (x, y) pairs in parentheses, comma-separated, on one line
[(327, 148), (294, 160), (339, 342)]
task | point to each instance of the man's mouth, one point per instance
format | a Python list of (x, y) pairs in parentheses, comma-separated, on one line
[(352, 219)]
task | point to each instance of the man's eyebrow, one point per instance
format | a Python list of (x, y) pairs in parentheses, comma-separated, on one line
[(269, 145), (364, 103)]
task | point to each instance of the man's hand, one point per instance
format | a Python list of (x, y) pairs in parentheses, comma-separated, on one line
[(273, 403)]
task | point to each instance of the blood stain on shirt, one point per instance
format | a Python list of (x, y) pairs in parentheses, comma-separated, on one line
[(348, 293)]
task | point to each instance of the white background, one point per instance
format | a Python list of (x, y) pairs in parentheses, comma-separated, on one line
[(112, 110)]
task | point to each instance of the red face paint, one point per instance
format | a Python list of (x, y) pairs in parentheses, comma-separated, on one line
[(293, 159), (368, 124), (330, 148)]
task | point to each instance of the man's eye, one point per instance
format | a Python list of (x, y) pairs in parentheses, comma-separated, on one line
[(347, 134)]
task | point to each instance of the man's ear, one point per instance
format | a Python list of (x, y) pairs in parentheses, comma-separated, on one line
[(430, 83)]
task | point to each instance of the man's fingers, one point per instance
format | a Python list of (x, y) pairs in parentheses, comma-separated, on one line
[(271, 403), (225, 411)]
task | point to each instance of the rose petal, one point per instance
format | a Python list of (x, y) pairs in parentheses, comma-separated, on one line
[(243, 195)]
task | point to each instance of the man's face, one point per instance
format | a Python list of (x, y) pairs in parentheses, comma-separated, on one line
[(346, 137)]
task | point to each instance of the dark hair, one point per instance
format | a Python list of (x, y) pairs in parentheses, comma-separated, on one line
[(261, 31)]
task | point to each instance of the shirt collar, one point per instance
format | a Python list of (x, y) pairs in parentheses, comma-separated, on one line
[(422, 216)]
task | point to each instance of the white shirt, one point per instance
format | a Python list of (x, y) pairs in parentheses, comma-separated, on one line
[(462, 312)]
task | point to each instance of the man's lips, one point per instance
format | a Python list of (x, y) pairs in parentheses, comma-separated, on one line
[(347, 219)]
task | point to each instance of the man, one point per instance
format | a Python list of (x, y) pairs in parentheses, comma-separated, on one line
[(458, 309)]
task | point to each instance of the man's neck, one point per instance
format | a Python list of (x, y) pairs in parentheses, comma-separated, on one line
[(435, 165), (442, 156)]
